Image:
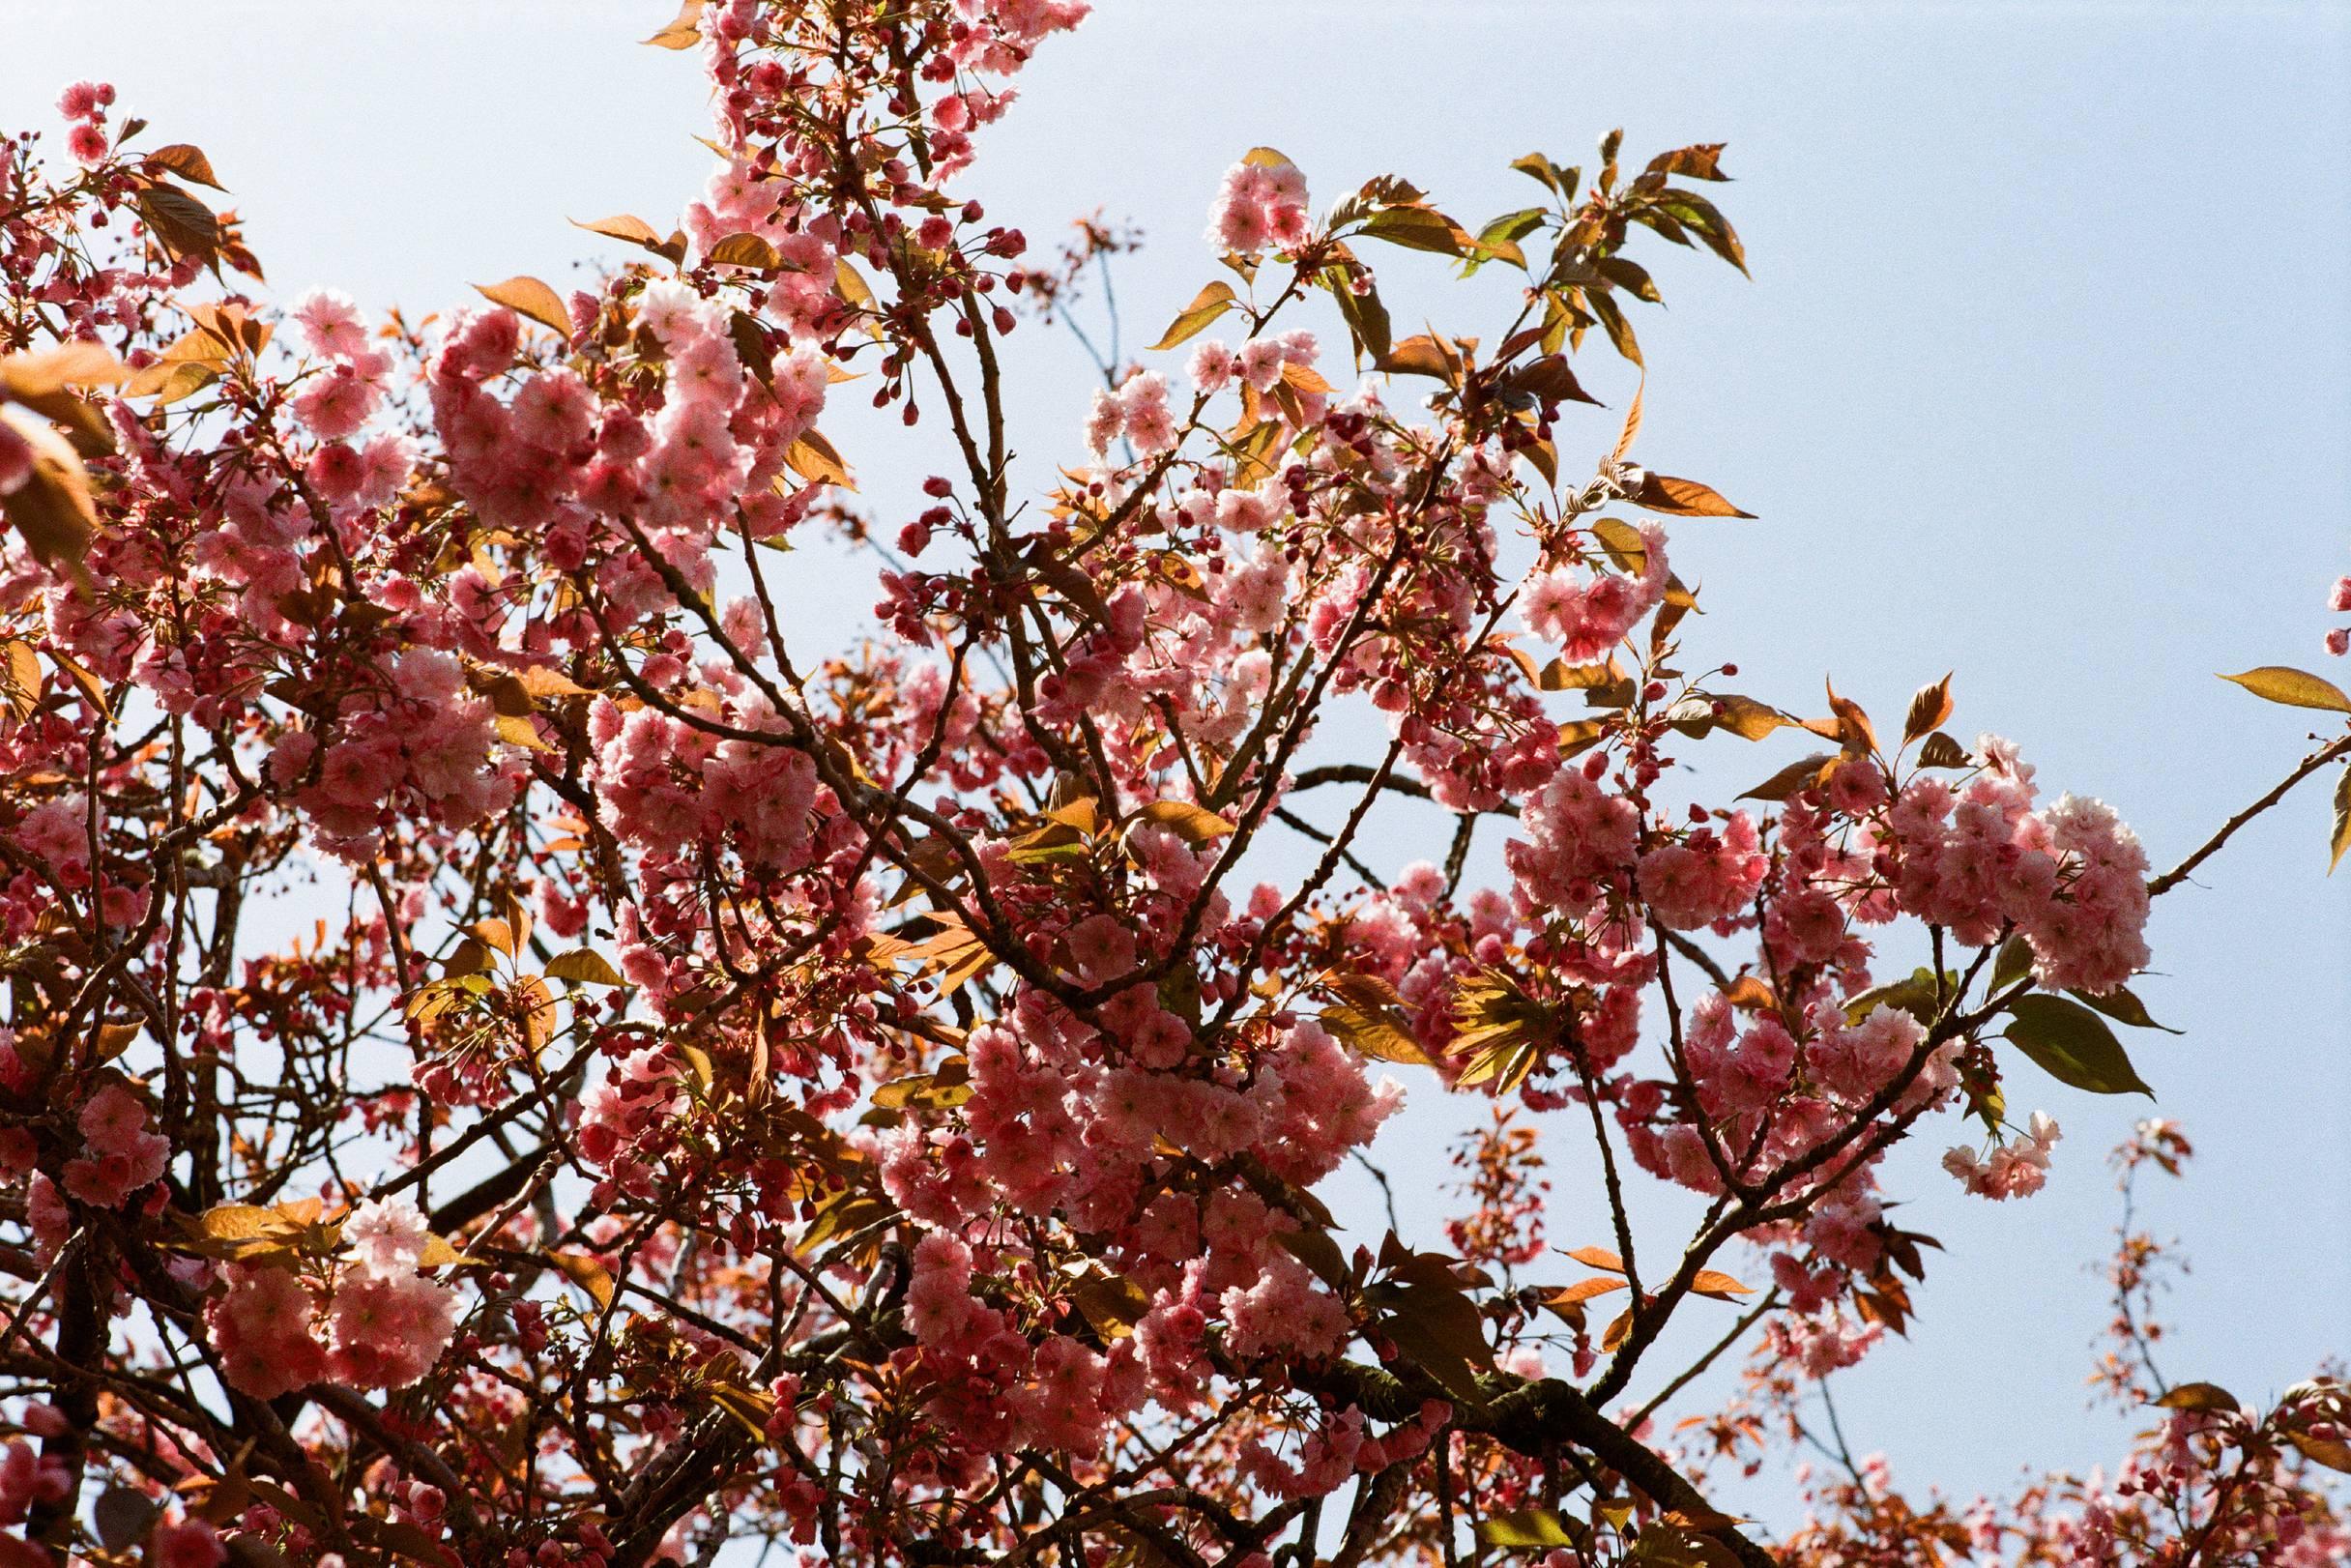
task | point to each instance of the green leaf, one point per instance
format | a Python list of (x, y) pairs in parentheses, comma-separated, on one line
[(2295, 688), (1207, 305), (2014, 964), (1512, 227), (1531, 1528), (1418, 229), (2123, 1007), (1915, 995), (1367, 319), (2073, 1045)]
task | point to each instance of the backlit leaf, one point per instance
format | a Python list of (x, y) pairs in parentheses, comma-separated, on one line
[(815, 458), (184, 225), (529, 297), (2297, 688), (583, 966), (1928, 709), (51, 507), (745, 250), (2332, 1452), (2340, 839), (1746, 717), (187, 161), (1207, 305), (1942, 751), (1682, 498), (1421, 355), (622, 227), (1531, 1530), (1697, 163), (1193, 824), (1720, 1287), (1418, 229), (1380, 1034), (2123, 1007), (683, 31), (1583, 1290), (587, 1273), (1790, 781), (2202, 1397)]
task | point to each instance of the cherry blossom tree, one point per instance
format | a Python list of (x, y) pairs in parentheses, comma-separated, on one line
[(512, 1058)]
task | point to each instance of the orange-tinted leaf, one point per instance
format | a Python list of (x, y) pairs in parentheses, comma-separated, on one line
[(2297, 688), (1682, 498), (529, 297), (2199, 1396), (1797, 776), (815, 459), (1598, 1258), (2339, 840), (1194, 825), (587, 1273), (745, 250), (1942, 751), (683, 31), (187, 161), (1928, 709), (622, 227), (1583, 1290)]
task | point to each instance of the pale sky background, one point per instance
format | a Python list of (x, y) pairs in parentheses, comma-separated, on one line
[(2043, 375)]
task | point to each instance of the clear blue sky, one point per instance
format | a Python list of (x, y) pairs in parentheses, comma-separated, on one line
[(2043, 375)]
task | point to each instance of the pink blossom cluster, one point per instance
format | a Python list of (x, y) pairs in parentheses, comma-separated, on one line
[(424, 735), (387, 1323), (1976, 860), (26, 1475), (1258, 364), (2339, 601), (2017, 1169), (1340, 1447), (120, 1153), (1136, 411), (1051, 1129), (1262, 202), (667, 786), (85, 105), (1588, 613), (624, 1119), (341, 396)]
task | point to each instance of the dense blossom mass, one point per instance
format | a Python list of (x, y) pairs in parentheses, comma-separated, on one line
[(513, 1058)]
